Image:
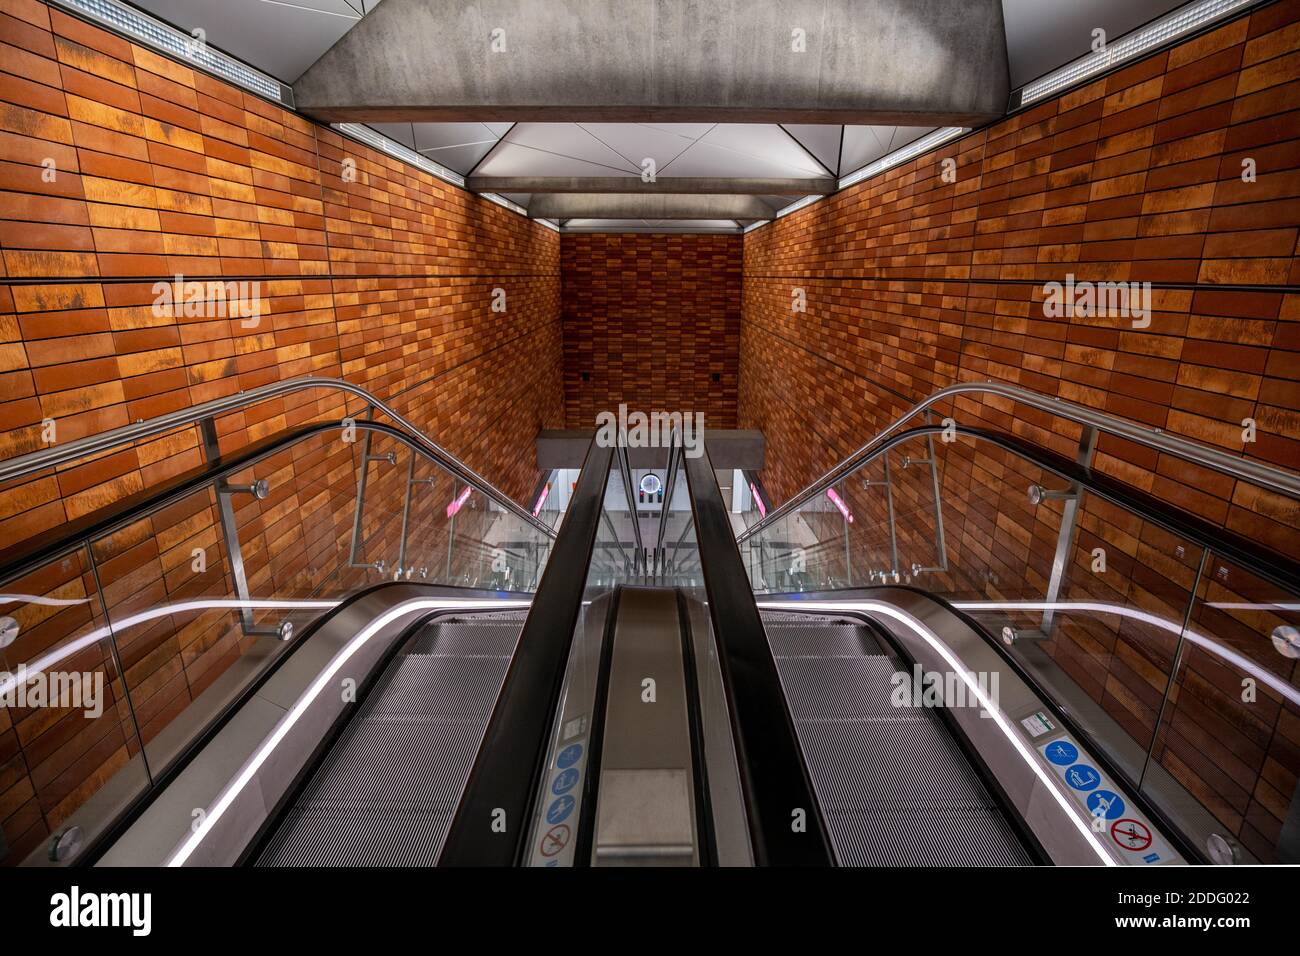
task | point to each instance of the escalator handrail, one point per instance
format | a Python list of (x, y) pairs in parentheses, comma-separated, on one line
[(1259, 560), (1267, 476), (21, 558), (507, 771), (774, 778), (61, 454)]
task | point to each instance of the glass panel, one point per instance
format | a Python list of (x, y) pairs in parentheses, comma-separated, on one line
[(1230, 730), (65, 723), (201, 594), (1093, 601), (167, 587), (611, 557)]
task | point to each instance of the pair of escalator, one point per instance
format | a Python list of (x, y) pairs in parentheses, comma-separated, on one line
[(675, 710), (689, 728)]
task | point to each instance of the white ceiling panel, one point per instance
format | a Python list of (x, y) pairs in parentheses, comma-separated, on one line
[(513, 159), (865, 144), (281, 39), (567, 140), (822, 141), (635, 142)]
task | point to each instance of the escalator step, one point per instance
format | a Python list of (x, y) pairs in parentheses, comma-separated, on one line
[(820, 640), (894, 787), (386, 792)]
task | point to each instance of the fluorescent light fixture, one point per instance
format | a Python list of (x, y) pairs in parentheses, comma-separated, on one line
[(503, 201), (987, 703), (541, 500), (1182, 21), (182, 46), (836, 500), (459, 503), (793, 207), (395, 149), (762, 509), (235, 786), (899, 156)]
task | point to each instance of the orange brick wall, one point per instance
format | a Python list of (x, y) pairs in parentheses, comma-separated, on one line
[(386, 280), (651, 320), (914, 283)]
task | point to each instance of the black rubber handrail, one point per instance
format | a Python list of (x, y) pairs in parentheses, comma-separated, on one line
[(774, 779), (508, 769)]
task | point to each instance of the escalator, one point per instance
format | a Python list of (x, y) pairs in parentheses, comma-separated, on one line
[(895, 789), (385, 793), (861, 678)]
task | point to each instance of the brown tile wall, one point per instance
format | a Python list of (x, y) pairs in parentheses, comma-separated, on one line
[(914, 283), (651, 320), (384, 279)]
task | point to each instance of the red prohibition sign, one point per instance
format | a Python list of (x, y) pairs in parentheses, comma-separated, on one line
[(554, 840), (1134, 837)]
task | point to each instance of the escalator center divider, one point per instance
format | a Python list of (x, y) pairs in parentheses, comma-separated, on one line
[(774, 778), (508, 768)]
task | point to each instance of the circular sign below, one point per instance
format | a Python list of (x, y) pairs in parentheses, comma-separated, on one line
[(1132, 835), (650, 484), (555, 839)]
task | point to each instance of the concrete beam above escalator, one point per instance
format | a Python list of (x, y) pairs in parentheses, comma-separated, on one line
[(908, 62)]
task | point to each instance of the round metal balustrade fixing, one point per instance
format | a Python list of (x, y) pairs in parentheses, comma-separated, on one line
[(8, 631), (1286, 640), (65, 844), (1222, 850)]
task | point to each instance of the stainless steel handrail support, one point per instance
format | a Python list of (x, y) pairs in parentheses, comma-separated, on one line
[(1266, 476)]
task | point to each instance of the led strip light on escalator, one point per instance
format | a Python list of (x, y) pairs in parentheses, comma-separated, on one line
[(986, 702), (235, 786)]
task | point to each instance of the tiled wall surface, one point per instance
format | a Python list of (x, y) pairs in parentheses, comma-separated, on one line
[(120, 169), (653, 321), (914, 283)]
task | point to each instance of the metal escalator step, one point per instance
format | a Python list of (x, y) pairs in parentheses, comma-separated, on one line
[(412, 763), (819, 640), (361, 836), (466, 637), (851, 687), (973, 836), (386, 792), (435, 685), (894, 787), (907, 764)]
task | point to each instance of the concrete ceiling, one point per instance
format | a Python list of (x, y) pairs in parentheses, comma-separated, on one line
[(285, 38)]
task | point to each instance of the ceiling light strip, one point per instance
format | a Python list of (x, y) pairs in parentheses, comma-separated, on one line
[(184, 47), (795, 206), (899, 156), (503, 201), (1186, 19), (395, 149)]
